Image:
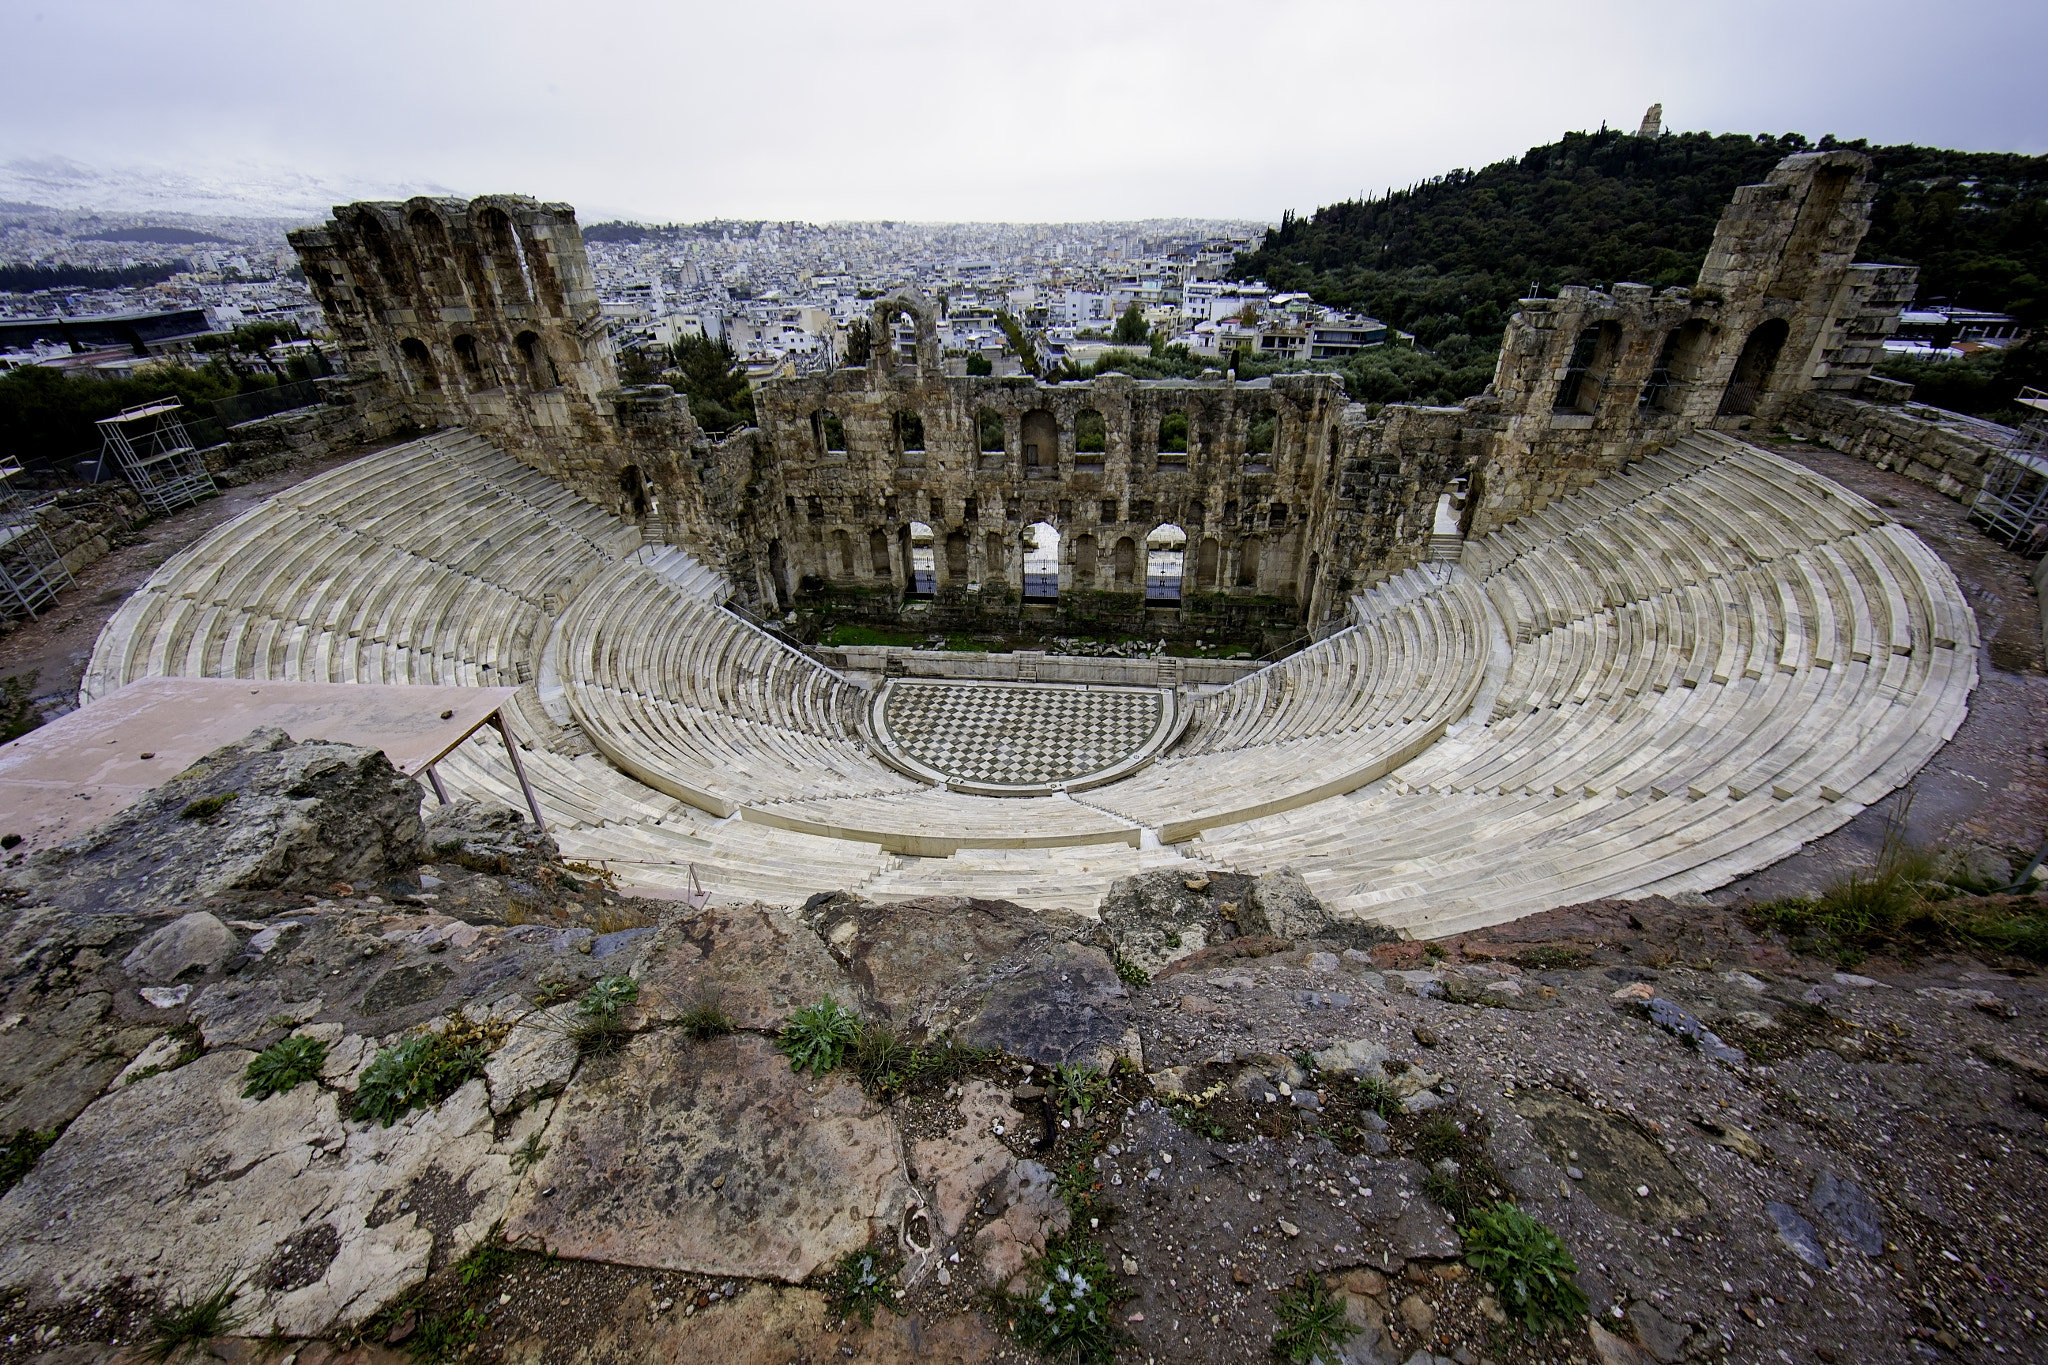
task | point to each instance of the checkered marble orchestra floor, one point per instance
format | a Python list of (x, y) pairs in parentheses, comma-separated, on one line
[(1018, 733)]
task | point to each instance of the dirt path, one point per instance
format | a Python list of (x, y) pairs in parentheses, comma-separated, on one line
[(57, 646)]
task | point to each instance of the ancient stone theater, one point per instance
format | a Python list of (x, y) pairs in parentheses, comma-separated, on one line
[(1576, 637)]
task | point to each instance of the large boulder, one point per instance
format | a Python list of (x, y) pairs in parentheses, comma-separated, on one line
[(261, 814), (1158, 918), (197, 940)]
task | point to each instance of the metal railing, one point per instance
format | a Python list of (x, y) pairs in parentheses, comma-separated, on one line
[(258, 403)]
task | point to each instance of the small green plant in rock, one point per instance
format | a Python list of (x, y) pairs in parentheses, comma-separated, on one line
[(598, 1030), (1440, 1137), (443, 1338), (1449, 1193), (487, 1260), (706, 1018), (816, 1037), (187, 1323), (1077, 1183), (1529, 1269), (1071, 1314), (527, 1154), (206, 807), (1073, 1086), (190, 1048), (1312, 1325), (883, 1062), (1129, 972), (418, 1072), (1379, 1097), (18, 1152), (282, 1066), (857, 1282)]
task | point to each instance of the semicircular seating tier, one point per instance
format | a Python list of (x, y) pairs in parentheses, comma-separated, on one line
[(1680, 673), (1717, 657)]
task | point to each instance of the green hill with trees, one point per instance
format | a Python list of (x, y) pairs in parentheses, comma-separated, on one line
[(1446, 259)]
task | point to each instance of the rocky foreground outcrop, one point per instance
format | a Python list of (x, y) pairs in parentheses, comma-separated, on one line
[(1212, 1083)]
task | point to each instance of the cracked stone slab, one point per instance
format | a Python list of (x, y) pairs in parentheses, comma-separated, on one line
[(713, 1157), (754, 962), (179, 1175)]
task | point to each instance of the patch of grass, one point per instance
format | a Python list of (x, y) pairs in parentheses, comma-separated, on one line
[(186, 1324), (487, 1260), (1438, 1138), (206, 807), (416, 1074), (706, 1018), (1312, 1325), (1529, 1269), (858, 1283), (441, 1338), (1129, 972), (882, 1061), (598, 1030), (1377, 1096), (1074, 1086), (527, 1154), (282, 1066), (1552, 959), (1449, 1193), (20, 1150), (1077, 1183), (816, 1037), (1070, 1315)]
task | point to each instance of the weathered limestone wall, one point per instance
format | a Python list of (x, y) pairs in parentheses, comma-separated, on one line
[(1944, 450), (483, 314)]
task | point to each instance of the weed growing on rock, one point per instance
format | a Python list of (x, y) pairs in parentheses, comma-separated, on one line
[(1187, 1111), (1129, 972), (1377, 1096), (1077, 1183), (206, 807), (1071, 1316), (706, 1018), (183, 1326), (857, 1282), (527, 1154), (190, 1048), (598, 1030), (1074, 1086), (282, 1066), (883, 1062), (439, 1339), (487, 1260), (1529, 1269), (816, 1037), (18, 1152), (415, 1074), (1312, 1325)]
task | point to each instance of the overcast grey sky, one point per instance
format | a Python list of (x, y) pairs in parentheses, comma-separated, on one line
[(1058, 109)]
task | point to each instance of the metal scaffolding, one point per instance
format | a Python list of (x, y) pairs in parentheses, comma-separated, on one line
[(151, 448), (2012, 507), (31, 571)]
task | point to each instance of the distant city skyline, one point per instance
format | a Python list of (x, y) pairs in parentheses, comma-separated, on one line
[(942, 112)]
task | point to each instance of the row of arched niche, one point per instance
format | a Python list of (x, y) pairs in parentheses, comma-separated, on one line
[(1179, 434), (1157, 564), (533, 365), (1681, 360)]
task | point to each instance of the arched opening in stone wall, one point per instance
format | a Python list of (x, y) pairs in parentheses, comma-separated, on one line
[(419, 364), (1753, 368), (988, 430), (956, 556), (1091, 441), (1124, 564), (472, 359), (1335, 460), (995, 558), (1585, 373), (501, 245), (1173, 440), (1165, 559), (910, 436), (534, 358), (841, 565), (1680, 359), (1041, 561), (778, 574), (633, 488), (878, 553), (430, 247), (1041, 442), (1262, 427), (1208, 561), (1084, 561), (397, 279), (922, 560), (828, 432)]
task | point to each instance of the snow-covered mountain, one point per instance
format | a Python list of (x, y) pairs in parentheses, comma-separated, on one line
[(234, 191)]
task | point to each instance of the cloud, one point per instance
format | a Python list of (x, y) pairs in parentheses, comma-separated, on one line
[(1060, 110)]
